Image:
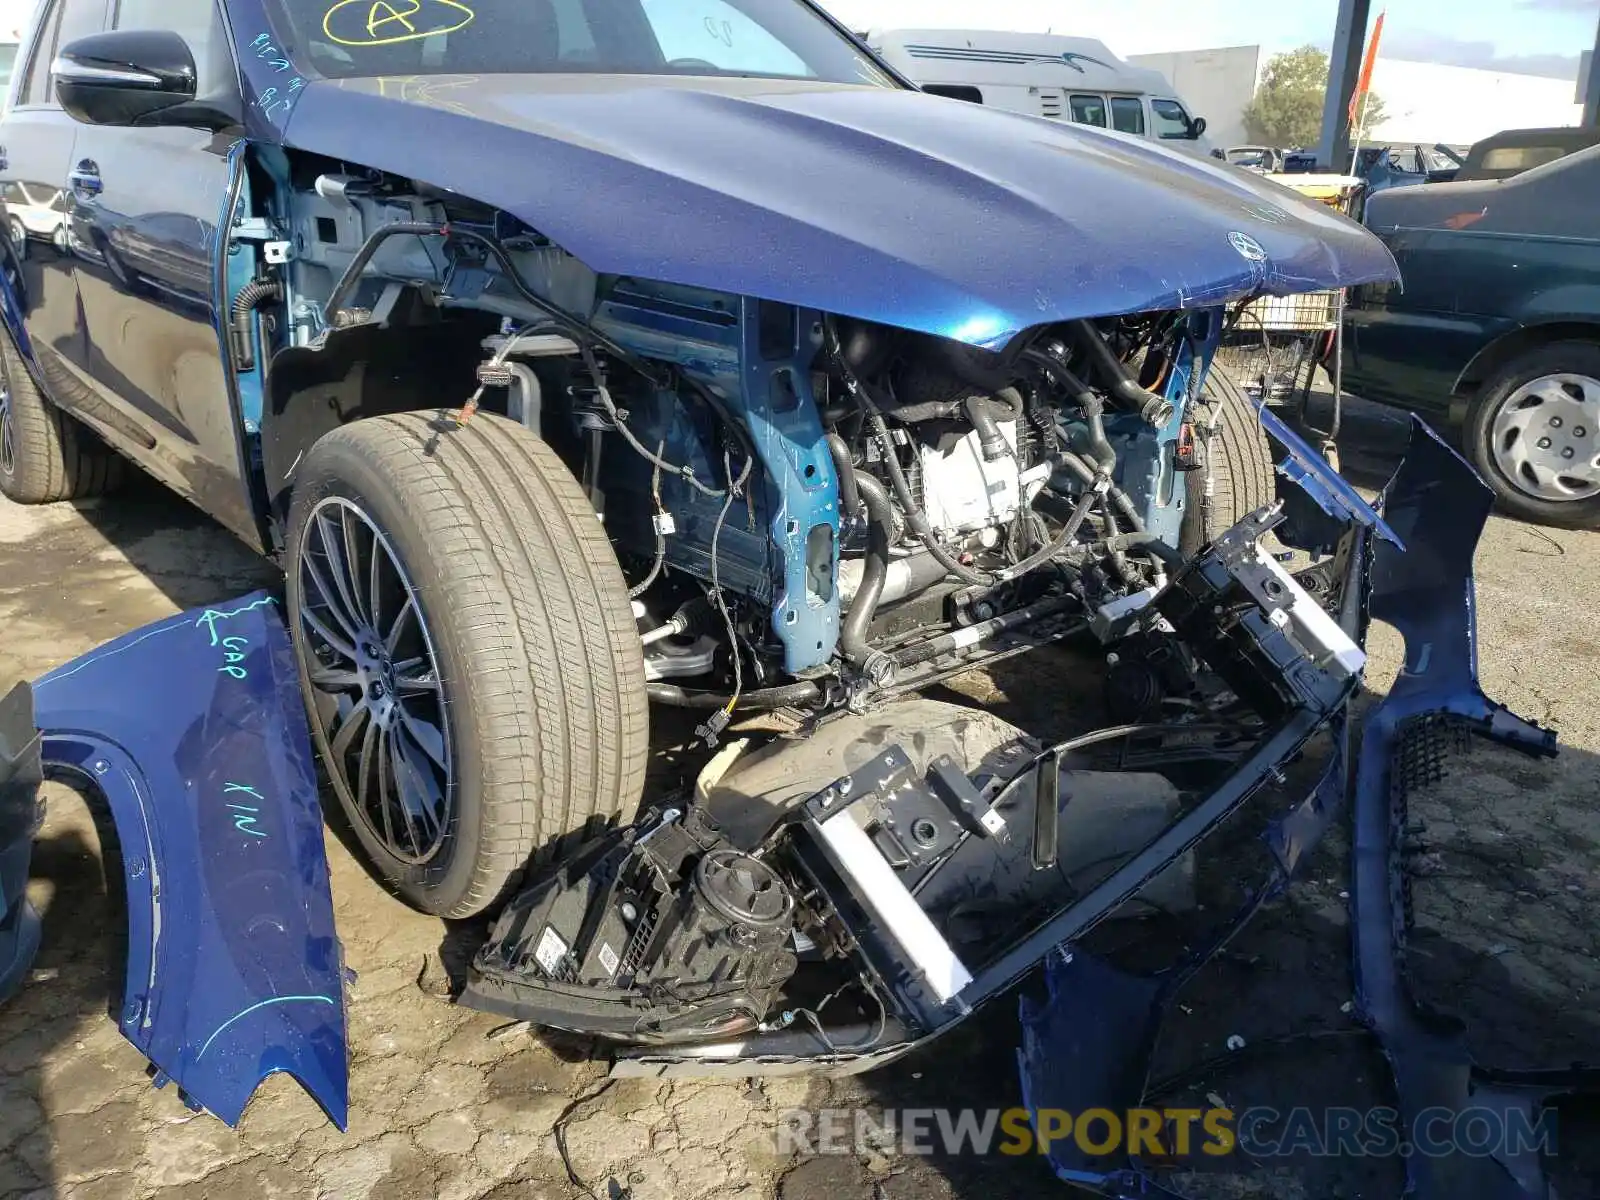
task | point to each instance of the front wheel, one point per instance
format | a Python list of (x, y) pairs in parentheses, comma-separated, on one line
[(1238, 467), (467, 652), (1534, 435)]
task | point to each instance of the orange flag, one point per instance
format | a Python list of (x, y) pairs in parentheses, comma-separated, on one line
[(1365, 83)]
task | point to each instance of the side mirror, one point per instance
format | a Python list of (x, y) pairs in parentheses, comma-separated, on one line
[(126, 77), (1197, 128)]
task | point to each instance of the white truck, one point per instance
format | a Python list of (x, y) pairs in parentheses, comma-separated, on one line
[(1043, 75)]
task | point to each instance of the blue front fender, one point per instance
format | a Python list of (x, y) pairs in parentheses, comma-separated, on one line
[(193, 731)]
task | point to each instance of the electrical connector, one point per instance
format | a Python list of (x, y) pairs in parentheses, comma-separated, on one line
[(713, 727)]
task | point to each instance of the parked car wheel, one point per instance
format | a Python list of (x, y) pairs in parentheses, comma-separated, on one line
[(1534, 435), (45, 455), (468, 652), (19, 235), (1239, 463)]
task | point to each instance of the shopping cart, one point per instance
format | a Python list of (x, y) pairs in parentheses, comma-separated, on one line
[(1274, 345)]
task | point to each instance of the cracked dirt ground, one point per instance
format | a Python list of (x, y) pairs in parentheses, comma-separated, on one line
[(441, 1108)]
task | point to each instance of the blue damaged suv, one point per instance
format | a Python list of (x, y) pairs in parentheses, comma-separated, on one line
[(574, 356)]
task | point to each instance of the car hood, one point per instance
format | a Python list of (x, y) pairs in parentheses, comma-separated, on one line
[(931, 214)]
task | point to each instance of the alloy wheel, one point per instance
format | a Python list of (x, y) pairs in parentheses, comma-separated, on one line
[(377, 696)]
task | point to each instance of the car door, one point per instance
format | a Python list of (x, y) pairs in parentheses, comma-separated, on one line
[(36, 146), (148, 207)]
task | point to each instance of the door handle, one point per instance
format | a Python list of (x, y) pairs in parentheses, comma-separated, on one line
[(85, 178)]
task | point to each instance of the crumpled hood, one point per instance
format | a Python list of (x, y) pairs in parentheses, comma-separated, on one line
[(912, 210)]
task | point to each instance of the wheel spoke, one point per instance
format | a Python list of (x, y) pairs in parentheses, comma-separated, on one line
[(352, 559), (374, 586), (338, 565), (398, 768), (328, 679), (329, 600), (423, 780), (415, 676), (8, 444), (340, 644), (429, 738), (407, 610), (369, 773), (348, 728)]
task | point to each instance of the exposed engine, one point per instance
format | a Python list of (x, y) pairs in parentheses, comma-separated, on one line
[(809, 507)]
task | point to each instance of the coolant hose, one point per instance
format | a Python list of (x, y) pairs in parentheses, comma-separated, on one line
[(1116, 378), (845, 469), (1113, 546), (880, 530), (1085, 474), (1094, 409), (990, 440)]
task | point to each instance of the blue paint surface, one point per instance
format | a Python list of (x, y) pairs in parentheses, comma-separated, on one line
[(234, 968), (929, 214)]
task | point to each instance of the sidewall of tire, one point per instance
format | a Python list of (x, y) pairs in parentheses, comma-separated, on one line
[(488, 519), (1240, 463), (1579, 358)]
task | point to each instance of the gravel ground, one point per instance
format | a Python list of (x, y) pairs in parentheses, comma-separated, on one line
[(1505, 908)]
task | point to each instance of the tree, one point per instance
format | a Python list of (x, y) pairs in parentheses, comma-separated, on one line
[(1287, 109)]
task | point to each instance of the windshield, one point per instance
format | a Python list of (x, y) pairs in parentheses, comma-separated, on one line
[(781, 39)]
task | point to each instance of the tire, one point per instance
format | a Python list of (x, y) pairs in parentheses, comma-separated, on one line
[(1551, 393), (529, 713), (19, 236), (1239, 462), (45, 455)]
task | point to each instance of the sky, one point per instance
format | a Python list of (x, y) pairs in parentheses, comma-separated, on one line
[(1535, 37)]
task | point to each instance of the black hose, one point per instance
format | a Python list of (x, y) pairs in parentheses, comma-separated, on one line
[(1112, 546), (1120, 498), (352, 273), (244, 303), (990, 440), (1094, 408), (1011, 400), (880, 530), (761, 701), (1116, 378), (845, 468), (1120, 543)]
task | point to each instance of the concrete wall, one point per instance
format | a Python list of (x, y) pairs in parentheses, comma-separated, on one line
[(1430, 102), (1215, 84)]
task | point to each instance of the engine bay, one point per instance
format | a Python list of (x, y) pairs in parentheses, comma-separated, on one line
[(810, 508)]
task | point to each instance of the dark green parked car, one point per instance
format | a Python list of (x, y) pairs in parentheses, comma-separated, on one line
[(1496, 327)]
